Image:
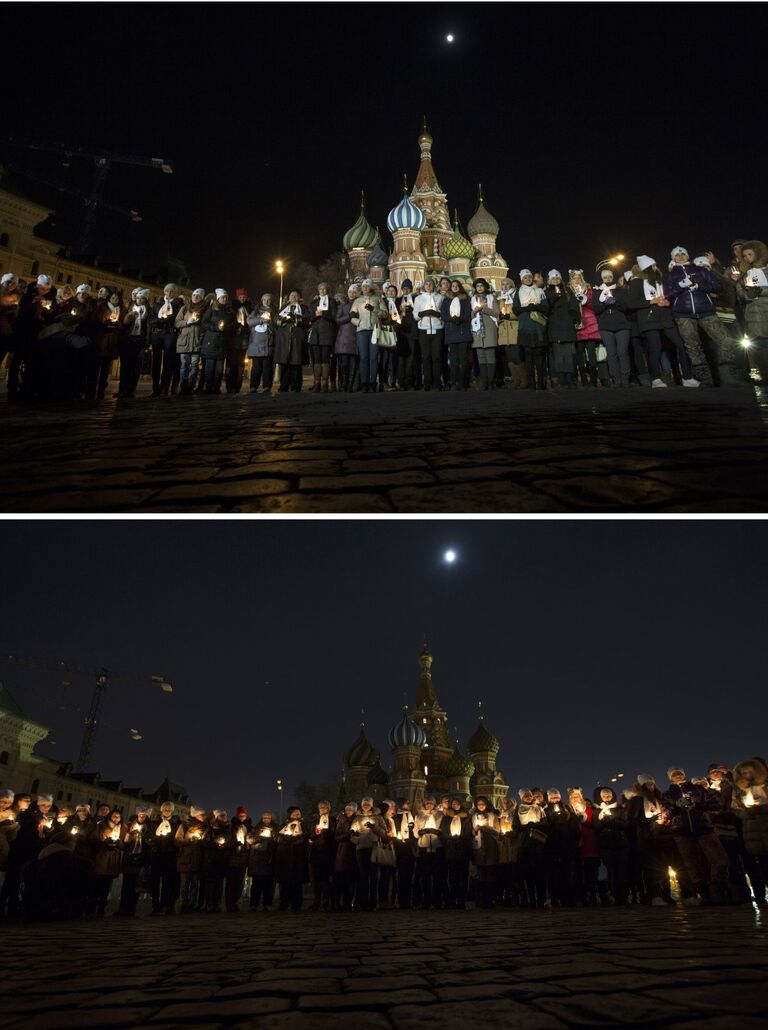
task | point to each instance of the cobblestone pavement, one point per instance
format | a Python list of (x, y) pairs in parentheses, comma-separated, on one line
[(629, 450), (392, 970)]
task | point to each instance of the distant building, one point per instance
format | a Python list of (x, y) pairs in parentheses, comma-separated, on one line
[(423, 759), (27, 772)]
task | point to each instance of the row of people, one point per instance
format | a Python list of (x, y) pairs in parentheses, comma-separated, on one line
[(685, 323), (547, 849)]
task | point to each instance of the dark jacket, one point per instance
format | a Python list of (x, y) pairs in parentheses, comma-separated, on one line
[(238, 340), (650, 317), (162, 326), (108, 329), (323, 843), (191, 837), (261, 858), (564, 314), (346, 336), (649, 832), (217, 849), (33, 313), (562, 827), (261, 344), (218, 326), (345, 860), (459, 848), (292, 857), (692, 301), (162, 845), (459, 331), (291, 339), (612, 830), (610, 317), (688, 806), (108, 858), (322, 331)]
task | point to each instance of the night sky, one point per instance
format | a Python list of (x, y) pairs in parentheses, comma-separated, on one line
[(594, 128), (595, 647)]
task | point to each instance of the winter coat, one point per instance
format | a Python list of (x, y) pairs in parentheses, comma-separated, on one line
[(367, 836), (190, 333), (108, 331), (323, 843), (239, 849), (754, 818), (488, 333), (509, 837), (530, 333), (648, 831), (137, 315), (650, 317), (135, 850), (460, 331), (562, 827), (429, 323), (9, 829), (428, 841), (108, 859), (217, 849), (191, 837), (322, 331), (33, 313), (409, 330), (238, 341), (9, 312), (611, 317), (691, 301), (345, 860), (485, 840), (755, 299), (564, 314), (688, 807), (459, 848), (508, 328), (361, 317), (261, 858), (611, 830), (589, 328), (346, 336), (292, 856), (261, 343), (588, 843), (218, 326), (162, 845), (291, 339)]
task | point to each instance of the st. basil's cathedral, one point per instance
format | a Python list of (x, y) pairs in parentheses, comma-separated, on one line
[(423, 759), (424, 243)]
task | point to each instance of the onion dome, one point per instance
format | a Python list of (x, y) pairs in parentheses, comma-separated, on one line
[(406, 215), (458, 766), (378, 256), (362, 234), (361, 752), (482, 740), (458, 246), (407, 733), (482, 221), (377, 777)]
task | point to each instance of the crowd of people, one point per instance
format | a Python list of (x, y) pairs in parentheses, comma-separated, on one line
[(545, 849), (684, 324)]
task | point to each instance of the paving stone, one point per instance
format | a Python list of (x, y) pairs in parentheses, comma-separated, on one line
[(717, 998), (63, 1020), (196, 1010), (365, 999), (318, 1021), (382, 983), (610, 1009), (282, 984), (500, 1013), (309, 503), (302, 973)]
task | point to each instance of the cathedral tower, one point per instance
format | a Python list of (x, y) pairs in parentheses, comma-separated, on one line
[(358, 243), (377, 262), (359, 762), (407, 780), (432, 719), (483, 230), (487, 781), (407, 261), (428, 195), (459, 252)]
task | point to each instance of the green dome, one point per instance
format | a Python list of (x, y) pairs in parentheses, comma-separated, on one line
[(482, 221), (458, 765), (361, 234), (482, 740), (458, 246), (361, 752)]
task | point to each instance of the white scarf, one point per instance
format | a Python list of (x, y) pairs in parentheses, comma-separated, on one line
[(455, 308), (166, 310), (407, 299), (652, 292), (529, 813), (479, 819), (141, 313), (290, 309), (607, 292), (455, 825), (322, 303), (406, 823), (477, 321), (530, 295), (651, 808), (607, 809)]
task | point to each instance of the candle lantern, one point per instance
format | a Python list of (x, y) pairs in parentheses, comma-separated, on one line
[(221, 325), (241, 835), (749, 799), (163, 829), (73, 831), (266, 832)]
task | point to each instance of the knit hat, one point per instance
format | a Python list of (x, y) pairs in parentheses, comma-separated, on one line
[(716, 765), (629, 274), (523, 791), (605, 271), (45, 797), (552, 790), (429, 798), (702, 262), (219, 812), (44, 280), (241, 811), (738, 243), (241, 292), (674, 768), (367, 282), (142, 293), (220, 293), (366, 801), (408, 283), (677, 250), (8, 278), (643, 778), (142, 810), (196, 811), (7, 793), (525, 271), (168, 804), (199, 292), (82, 807), (552, 273), (83, 288), (643, 262)]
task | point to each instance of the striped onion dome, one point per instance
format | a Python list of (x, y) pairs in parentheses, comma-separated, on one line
[(458, 765), (482, 740), (407, 733), (458, 246), (361, 752), (406, 215), (362, 234), (482, 221), (378, 256), (377, 776)]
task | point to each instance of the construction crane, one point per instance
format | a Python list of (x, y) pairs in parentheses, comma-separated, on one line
[(103, 161), (64, 187), (102, 679)]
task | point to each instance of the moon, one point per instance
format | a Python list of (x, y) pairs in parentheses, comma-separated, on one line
[(449, 38), (449, 557)]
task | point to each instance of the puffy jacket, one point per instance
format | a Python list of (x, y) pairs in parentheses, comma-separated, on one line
[(650, 317), (589, 329), (755, 300), (461, 331), (691, 301), (610, 317)]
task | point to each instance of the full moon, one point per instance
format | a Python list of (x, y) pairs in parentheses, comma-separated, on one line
[(449, 38), (450, 556)]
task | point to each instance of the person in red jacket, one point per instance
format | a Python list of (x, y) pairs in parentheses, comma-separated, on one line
[(588, 334), (588, 856)]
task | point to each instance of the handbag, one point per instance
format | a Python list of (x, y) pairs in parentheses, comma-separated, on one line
[(387, 337), (384, 854), (601, 354), (538, 835), (538, 318)]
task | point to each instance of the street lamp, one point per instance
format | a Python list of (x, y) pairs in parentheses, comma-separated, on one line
[(611, 261), (280, 783), (280, 269)]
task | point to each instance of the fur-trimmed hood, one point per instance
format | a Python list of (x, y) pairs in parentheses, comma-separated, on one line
[(761, 770)]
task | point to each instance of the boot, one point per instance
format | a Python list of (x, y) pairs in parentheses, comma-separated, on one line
[(316, 384), (324, 372)]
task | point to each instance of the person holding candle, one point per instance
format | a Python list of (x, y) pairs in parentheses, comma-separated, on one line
[(647, 814), (10, 301), (291, 352), (456, 829), (385, 856), (703, 857), (190, 839), (108, 860), (509, 884), (292, 859), (261, 345), (322, 334), (164, 879), (322, 852), (162, 336), (613, 326), (456, 315), (218, 325), (135, 860), (262, 841), (238, 860), (750, 803), (431, 853), (345, 344), (9, 829), (563, 316), (510, 365), (407, 338), (237, 342), (189, 336), (727, 826), (426, 312), (134, 341), (366, 315), (563, 838), (345, 861), (531, 307), (216, 854), (405, 852), (24, 846), (485, 331), (108, 318), (533, 837), (588, 851), (752, 291), (367, 830), (588, 340), (391, 321), (613, 839), (37, 313)]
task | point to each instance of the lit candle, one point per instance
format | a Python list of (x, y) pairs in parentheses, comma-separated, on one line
[(221, 324), (557, 809), (241, 835), (220, 841), (241, 316), (47, 304), (430, 823), (749, 799), (61, 818), (163, 829), (115, 833), (579, 807), (73, 311), (265, 316), (73, 831), (193, 317), (266, 832), (114, 316)]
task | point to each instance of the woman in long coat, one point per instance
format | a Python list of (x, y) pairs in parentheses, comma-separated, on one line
[(486, 847), (218, 327), (456, 313), (345, 863), (261, 345), (321, 855), (108, 859), (190, 839), (189, 340), (563, 317), (292, 860), (135, 860), (291, 350), (456, 828), (322, 316), (485, 331), (262, 841), (108, 331), (345, 347), (531, 307)]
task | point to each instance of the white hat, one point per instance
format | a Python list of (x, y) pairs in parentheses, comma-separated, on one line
[(199, 292), (643, 262), (604, 270), (629, 274), (45, 797), (44, 280), (196, 810), (83, 288), (643, 778), (552, 273), (553, 790), (140, 292), (523, 791), (702, 262), (218, 812), (367, 282), (674, 768), (221, 293), (8, 278), (7, 793), (525, 271), (364, 801), (678, 250)]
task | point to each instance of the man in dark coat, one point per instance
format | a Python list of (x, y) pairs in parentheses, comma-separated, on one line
[(262, 841), (704, 859), (238, 860), (162, 850), (162, 335), (237, 342), (292, 860)]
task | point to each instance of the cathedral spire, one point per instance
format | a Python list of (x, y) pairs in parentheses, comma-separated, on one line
[(426, 695)]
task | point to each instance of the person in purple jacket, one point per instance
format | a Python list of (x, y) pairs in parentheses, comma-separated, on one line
[(690, 288)]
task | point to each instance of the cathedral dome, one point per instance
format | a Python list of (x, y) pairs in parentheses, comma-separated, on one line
[(361, 752), (482, 221), (378, 256), (406, 216), (407, 733), (482, 740), (377, 777), (458, 765), (362, 234), (458, 246)]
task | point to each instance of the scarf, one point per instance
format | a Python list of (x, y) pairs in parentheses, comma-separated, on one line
[(322, 822), (477, 320), (479, 819), (393, 312), (756, 277), (607, 292), (407, 299), (607, 809), (141, 313), (406, 822), (651, 808), (163, 829), (455, 308), (456, 826), (166, 310), (322, 303), (530, 294), (290, 309), (652, 292), (529, 813)]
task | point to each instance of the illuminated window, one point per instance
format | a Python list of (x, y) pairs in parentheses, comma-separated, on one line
[(426, 771)]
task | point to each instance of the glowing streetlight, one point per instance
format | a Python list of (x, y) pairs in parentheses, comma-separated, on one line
[(279, 783), (611, 261), (280, 269), (746, 342)]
